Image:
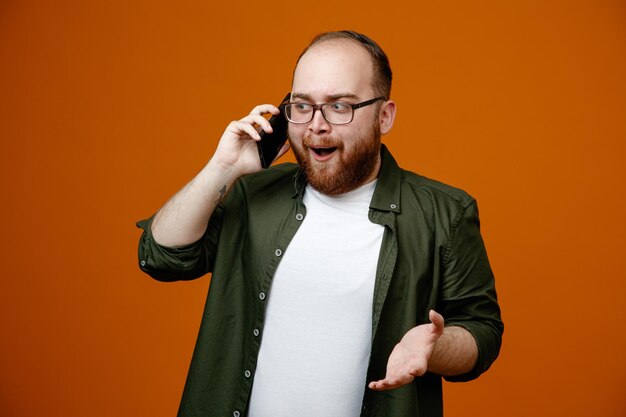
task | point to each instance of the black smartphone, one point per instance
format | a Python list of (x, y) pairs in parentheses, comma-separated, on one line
[(271, 143)]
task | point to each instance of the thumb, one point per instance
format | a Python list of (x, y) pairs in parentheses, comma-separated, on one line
[(437, 320)]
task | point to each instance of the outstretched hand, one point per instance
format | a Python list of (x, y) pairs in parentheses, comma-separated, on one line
[(409, 358)]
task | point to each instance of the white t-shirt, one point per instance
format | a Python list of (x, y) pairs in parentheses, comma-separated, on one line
[(316, 341)]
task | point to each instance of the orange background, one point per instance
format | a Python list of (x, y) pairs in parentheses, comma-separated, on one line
[(109, 107)]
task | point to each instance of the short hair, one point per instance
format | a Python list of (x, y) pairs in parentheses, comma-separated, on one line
[(381, 82)]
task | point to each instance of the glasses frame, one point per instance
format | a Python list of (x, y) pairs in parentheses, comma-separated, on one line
[(320, 107)]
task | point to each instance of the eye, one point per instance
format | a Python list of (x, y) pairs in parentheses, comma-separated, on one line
[(301, 107), (340, 107)]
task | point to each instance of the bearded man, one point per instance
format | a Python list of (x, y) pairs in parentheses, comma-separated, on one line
[(341, 285)]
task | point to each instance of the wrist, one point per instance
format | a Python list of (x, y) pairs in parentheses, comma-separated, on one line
[(226, 171)]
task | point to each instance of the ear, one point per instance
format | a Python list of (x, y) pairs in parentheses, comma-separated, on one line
[(386, 116)]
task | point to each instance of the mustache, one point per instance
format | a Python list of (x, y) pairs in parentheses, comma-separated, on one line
[(312, 140)]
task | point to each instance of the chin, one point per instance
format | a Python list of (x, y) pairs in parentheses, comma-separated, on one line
[(344, 172)]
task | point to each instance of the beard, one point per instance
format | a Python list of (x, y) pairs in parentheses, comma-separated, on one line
[(347, 170)]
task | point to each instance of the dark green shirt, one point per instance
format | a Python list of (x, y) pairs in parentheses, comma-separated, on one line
[(432, 257)]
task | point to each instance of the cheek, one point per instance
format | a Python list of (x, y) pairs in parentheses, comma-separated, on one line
[(296, 131), (355, 136)]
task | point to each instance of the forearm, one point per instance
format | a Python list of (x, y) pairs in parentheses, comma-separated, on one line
[(454, 353), (184, 218)]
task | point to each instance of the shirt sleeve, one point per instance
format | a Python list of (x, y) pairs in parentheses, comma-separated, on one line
[(468, 294), (183, 262)]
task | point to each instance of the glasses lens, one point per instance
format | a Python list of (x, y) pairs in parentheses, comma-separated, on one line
[(299, 112), (337, 112)]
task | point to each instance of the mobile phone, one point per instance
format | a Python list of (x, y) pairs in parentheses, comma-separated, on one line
[(271, 143)]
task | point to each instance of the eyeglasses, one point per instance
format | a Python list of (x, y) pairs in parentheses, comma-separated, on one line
[(335, 112)]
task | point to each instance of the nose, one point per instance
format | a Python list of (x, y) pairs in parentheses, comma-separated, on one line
[(318, 124)]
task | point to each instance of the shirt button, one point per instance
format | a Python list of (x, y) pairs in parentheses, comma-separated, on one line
[(278, 252), (256, 332), (143, 263), (299, 216), (393, 206), (236, 414), (247, 373), (262, 296)]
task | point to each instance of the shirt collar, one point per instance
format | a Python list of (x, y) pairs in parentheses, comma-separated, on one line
[(387, 193)]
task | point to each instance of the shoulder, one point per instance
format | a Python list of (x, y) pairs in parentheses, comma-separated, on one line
[(421, 187), (440, 206), (275, 173), (273, 180), (417, 191), (428, 205)]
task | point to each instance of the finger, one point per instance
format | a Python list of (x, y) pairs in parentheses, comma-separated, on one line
[(386, 384), (264, 109), (418, 370), (259, 120), (379, 385), (372, 385), (436, 319), (242, 128)]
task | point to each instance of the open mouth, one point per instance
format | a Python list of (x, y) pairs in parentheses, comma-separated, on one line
[(323, 151)]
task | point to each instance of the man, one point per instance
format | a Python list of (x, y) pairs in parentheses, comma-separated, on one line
[(333, 278)]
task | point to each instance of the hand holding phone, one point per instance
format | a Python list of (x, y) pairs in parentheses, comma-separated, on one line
[(271, 143)]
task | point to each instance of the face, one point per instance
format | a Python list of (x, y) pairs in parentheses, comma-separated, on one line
[(336, 158)]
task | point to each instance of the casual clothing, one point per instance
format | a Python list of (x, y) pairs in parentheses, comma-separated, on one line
[(317, 335), (432, 257)]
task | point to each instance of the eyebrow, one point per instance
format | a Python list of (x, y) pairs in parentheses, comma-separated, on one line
[(331, 97)]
